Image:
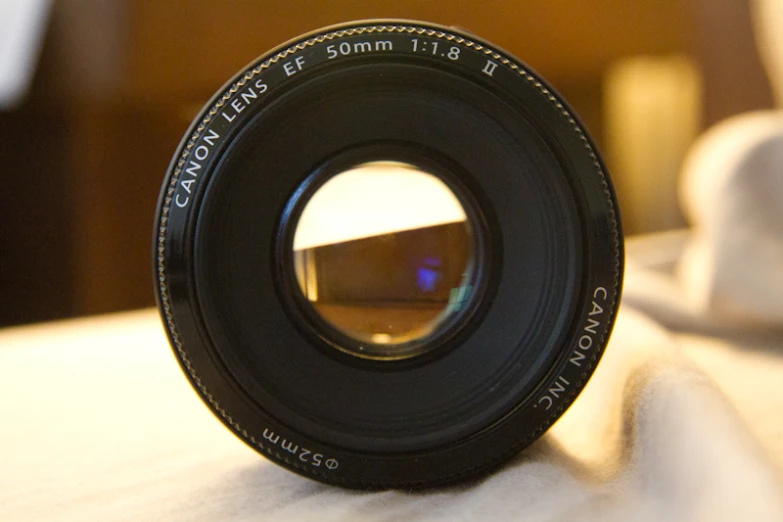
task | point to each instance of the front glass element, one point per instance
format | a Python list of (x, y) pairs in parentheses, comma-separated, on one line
[(385, 254)]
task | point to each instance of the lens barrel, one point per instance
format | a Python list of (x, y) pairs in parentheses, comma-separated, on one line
[(526, 322)]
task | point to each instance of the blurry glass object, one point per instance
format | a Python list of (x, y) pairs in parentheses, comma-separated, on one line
[(22, 28), (652, 110), (384, 253)]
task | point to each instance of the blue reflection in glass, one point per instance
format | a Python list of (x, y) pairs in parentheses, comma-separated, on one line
[(427, 277)]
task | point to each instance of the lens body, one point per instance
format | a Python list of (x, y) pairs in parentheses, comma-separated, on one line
[(371, 327)]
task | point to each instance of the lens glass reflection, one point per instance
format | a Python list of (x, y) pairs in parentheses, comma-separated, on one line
[(384, 253)]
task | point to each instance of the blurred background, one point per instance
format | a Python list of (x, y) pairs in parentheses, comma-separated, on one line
[(87, 131)]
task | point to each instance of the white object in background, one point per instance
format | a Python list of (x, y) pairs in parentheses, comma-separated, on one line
[(732, 191), (730, 271), (652, 110), (22, 28)]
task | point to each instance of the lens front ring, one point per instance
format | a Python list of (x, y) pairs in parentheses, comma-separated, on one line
[(208, 144)]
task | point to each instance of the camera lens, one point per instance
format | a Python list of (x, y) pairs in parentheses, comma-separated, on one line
[(387, 254)]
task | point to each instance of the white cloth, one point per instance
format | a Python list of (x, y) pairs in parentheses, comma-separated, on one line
[(100, 424)]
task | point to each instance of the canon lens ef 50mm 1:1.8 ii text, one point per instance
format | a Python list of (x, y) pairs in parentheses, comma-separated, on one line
[(387, 254)]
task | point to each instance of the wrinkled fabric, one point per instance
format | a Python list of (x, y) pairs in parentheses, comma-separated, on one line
[(100, 424)]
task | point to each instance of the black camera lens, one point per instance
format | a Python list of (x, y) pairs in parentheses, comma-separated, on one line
[(387, 254)]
